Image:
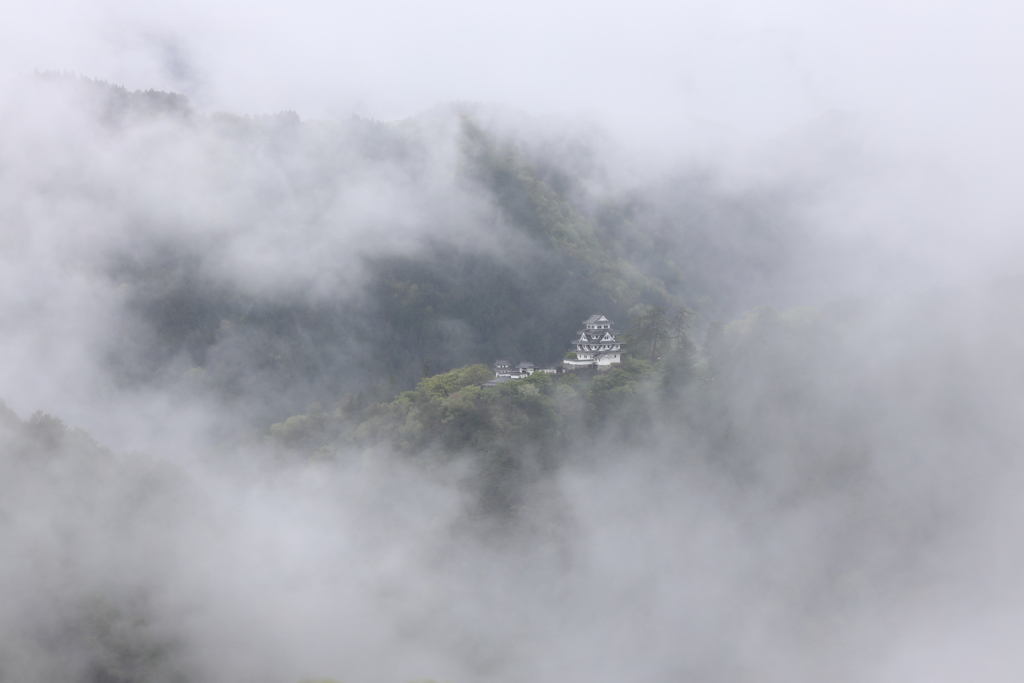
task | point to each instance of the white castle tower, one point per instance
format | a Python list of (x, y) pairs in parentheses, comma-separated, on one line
[(596, 345)]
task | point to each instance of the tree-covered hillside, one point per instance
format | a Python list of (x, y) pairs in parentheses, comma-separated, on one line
[(820, 386), (415, 246), (295, 320)]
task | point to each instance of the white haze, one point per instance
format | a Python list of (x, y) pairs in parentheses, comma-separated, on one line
[(648, 566)]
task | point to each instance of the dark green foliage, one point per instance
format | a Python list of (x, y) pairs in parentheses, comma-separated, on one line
[(648, 333), (654, 332), (454, 307), (445, 385), (298, 431), (618, 393), (452, 411), (563, 256)]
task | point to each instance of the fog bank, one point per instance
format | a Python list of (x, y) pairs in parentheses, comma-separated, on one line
[(830, 494)]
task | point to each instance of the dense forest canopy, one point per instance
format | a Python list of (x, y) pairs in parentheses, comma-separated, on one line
[(295, 320)]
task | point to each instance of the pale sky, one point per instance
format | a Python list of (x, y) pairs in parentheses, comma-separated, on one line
[(757, 68), (936, 89)]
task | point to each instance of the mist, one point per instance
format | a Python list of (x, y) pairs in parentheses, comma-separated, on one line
[(237, 248)]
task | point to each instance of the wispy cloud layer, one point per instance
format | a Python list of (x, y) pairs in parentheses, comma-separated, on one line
[(843, 506)]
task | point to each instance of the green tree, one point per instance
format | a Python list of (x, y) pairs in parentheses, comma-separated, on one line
[(616, 391), (447, 383), (649, 332), (679, 327)]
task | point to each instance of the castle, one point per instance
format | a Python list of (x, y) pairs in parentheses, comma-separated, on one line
[(596, 346), (596, 349)]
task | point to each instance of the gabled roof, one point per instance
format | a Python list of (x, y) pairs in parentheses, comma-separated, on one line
[(525, 364), (596, 318)]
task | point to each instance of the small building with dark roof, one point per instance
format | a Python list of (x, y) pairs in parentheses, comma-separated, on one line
[(503, 372)]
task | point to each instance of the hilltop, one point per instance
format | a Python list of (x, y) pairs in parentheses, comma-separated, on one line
[(416, 246)]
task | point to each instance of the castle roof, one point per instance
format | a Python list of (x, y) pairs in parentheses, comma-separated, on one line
[(596, 332), (595, 345)]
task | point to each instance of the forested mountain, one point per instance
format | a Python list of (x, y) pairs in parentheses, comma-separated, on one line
[(837, 435), (277, 331), (485, 241)]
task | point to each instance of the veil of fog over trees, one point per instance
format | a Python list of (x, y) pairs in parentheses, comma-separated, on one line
[(244, 435)]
